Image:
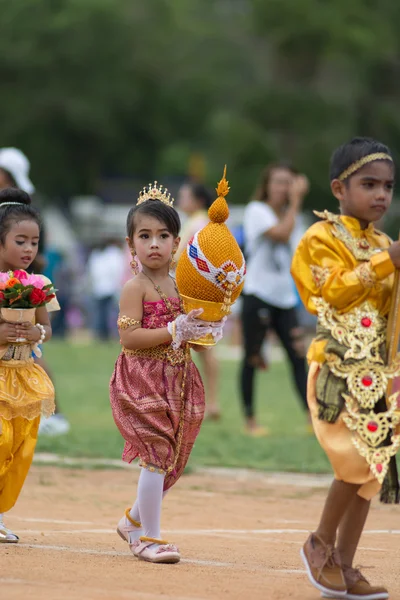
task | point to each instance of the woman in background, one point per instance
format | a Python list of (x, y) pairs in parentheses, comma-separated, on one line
[(269, 297)]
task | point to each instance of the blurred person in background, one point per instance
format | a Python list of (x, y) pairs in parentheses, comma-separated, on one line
[(14, 172), (105, 270), (269, 298), (194, 200), (59, 272)]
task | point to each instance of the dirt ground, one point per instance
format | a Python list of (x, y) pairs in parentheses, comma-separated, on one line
[(239, 537)]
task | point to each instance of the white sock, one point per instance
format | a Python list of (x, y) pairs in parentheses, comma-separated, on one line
[(134, 512), (150, 495)]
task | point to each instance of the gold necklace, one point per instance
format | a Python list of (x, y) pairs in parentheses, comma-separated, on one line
[(163, 296)]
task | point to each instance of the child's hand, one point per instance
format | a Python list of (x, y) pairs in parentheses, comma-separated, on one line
[(28, 332), (8, 333), (188, 327), (218, 329), (298, 189), (394, 253)]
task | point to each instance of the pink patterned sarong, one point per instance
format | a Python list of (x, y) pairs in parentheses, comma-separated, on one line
[(145, 396)]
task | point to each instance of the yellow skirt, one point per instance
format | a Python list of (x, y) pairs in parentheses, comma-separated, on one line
[(25, 390), (336, 440)]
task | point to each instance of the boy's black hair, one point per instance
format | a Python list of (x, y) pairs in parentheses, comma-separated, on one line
[(158, 210), (202, 193), (351, 152), (15, 206)]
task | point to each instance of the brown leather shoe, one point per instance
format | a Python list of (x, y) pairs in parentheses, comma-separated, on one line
[(358, 587), (324, 571)]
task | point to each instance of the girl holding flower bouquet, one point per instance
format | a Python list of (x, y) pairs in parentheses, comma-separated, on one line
[(26, 391), (157, 396)]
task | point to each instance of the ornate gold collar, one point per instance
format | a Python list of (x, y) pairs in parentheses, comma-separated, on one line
[(360, 248)]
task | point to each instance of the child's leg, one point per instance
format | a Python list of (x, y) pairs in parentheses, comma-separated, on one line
[(150, 494), (339, 498), (149, 497), (322, 561), (17, 445), (351, 528), (130, 526)]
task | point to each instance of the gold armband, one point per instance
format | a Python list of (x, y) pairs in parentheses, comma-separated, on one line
[(125, 322)]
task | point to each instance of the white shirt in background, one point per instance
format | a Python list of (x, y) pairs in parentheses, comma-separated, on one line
[(268, 262), (105, 268)]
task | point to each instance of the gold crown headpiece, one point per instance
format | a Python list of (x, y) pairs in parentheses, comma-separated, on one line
[(152, 192)]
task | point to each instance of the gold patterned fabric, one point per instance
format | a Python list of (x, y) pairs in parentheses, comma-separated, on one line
[(344, 275), (157, 398)]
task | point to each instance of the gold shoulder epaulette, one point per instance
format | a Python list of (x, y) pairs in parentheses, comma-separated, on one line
[(327, 216)]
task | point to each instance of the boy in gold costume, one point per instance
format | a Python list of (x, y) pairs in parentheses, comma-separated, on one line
[(343, 269)]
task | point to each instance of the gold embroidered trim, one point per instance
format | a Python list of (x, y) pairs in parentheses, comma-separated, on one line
[(151, 468), (366, 381), (366, 275), (356, 166), (370, 431), (125, 322), (319, 274), (164, 353), (362, 330), (359, 247)]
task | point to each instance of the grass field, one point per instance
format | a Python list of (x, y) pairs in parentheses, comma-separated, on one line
[(82, 372)]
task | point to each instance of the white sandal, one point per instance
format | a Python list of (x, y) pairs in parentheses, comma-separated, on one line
[(164, 553), (124, 529), (7, 536)]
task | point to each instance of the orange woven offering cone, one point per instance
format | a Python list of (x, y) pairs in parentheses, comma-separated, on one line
[(210, 273)]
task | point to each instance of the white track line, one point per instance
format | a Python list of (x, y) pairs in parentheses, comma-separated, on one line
[(57, 521), (201, 563), (202, 532)]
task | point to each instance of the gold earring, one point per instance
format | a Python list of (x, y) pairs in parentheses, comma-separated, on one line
[(172, 262), (134, 263)]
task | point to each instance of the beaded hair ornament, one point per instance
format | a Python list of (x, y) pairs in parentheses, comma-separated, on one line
[(356, 166), (152, 192)]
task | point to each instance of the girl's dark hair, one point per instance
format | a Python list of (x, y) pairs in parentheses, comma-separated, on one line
[(15, 206), (351, 152), (261, 189), (158, 210), (200, 192)]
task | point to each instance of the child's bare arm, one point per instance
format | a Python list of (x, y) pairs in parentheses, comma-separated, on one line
[(132, 334), (394, 253)]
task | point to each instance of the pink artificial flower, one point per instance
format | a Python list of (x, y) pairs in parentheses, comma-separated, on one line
[(21, 275), (36, 280), (4, 277)]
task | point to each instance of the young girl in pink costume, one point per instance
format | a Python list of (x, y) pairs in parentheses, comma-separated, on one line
[(157, 395)]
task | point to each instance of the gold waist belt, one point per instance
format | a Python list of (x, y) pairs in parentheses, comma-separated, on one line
[(165, 353), (18, 352)]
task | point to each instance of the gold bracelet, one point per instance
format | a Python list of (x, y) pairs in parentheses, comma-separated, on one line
[(125, 322), (173, 330)]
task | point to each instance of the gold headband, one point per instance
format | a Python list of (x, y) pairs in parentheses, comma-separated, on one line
[(356, 166), (152, 192)]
